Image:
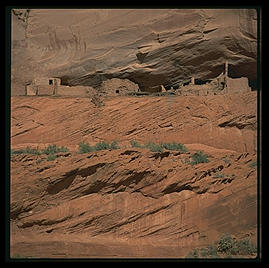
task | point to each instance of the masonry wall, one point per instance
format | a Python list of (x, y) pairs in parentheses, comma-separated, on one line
[(45, 90), (122, 86), (80, 91), (238, 85), (43, 81), (31, 90)]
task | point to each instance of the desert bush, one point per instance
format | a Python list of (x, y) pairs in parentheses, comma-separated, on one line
[(154, 147), (53, 149), (253, 164), (210, 251), (84, 148), (226, 244), (114, 145), (20, 151), (27, 150), (199, 157), (245, 247), (175, 147), (51, 157), (193, 254), (135, 144), (101, 146)]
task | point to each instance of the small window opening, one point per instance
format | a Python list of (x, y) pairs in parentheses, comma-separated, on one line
[(50, 82), (117, 91)]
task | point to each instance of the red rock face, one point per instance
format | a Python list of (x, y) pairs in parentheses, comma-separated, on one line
[(149, 47), (131, 202)]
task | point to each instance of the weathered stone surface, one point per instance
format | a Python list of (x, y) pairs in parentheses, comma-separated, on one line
[(222, 121), (149, 47), (131, 198), (131, 202)]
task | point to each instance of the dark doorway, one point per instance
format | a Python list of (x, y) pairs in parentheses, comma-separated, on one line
[(50, 82)]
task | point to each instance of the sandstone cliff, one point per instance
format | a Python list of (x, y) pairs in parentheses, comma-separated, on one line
[(148, 47), (131, 202)]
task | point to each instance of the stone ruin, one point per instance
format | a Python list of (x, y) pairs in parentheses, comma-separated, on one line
[(222, 84), (50, 86)]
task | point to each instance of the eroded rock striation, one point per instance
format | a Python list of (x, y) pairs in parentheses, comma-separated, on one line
[(148, 47)]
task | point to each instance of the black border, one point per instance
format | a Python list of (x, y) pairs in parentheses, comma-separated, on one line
[(7, 98)]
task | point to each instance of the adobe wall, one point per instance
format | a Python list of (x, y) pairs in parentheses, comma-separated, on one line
[(31, 90), (75, 91), (45, 90), (43, 81), (116, 86), (238, 85)]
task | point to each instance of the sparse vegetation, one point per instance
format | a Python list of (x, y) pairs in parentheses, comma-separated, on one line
[(199, 157), (175, 147), (114, 145), (51, 157), (53, 149), (193, 254), (253, 164), (101, 146), (227, 160), (27, 150), (50, 149), (226, 244), (154, 147), (86, 148), (225, 247), (135, 144)]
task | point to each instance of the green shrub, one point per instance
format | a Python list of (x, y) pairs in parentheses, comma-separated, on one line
[(175, 147), (53, 149), (192, 254), (199, 157), (135, 144), (84, 148), (27, 150), (253, 164), (226, 244), (51, 157), (114, 145), (154, 147), (101, 146), (245, 247), (210, 251), (20, 151)]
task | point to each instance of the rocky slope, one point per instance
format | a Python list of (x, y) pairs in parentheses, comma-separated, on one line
[(149, 47), (222, 121), (150, 202), (131, 202)]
